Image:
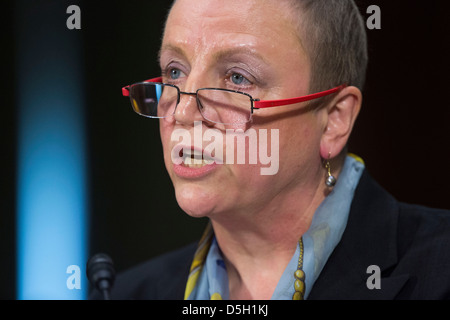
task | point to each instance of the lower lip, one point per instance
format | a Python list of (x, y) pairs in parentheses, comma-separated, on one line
[(193, 173)]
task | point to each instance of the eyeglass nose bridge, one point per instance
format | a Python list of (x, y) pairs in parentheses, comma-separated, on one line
[(188, 94)]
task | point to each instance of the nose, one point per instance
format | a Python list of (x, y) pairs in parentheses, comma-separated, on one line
[(187, 110)]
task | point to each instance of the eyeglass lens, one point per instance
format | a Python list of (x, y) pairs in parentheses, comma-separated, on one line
[(216, 105)]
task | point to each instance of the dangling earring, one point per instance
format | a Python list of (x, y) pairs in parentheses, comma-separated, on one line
[(331, 180)]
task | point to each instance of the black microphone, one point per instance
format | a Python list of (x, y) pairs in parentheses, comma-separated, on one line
[(101, 274)]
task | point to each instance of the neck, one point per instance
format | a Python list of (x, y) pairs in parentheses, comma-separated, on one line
[(257, 245)]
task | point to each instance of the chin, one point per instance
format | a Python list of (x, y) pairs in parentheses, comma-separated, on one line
[(195, 201)]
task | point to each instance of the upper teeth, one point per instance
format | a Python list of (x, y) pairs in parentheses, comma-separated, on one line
[(193, 154), (192, 157), (195, 157)]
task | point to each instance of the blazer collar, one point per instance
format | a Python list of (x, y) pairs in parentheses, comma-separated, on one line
[(370, 238)]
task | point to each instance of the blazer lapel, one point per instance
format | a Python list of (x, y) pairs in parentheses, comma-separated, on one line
[(370, 239)]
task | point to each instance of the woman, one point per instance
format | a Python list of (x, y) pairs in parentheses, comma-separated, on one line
[(316, 227)]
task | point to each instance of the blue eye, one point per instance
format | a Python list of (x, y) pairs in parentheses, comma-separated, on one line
[(175, 74), (237, 78)]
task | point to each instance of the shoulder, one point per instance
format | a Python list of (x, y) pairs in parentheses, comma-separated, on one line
[(418, 236), (163, 277), (421, 218), (410, 244), (423, 248), (371, 197), (424, 230), (412, 224)]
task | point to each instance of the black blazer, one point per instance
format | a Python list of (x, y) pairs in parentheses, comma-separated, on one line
[(410, 244)]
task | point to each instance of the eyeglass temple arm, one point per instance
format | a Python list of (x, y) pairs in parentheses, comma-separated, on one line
[(126, 90), (259, 104), (275, 103)]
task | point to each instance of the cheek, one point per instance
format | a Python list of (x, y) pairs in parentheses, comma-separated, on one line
[(299, 143), (165, 131)]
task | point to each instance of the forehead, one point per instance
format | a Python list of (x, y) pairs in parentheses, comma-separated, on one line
[(257, 25)]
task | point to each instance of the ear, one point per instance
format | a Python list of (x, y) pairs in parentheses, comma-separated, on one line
[(341, 115)]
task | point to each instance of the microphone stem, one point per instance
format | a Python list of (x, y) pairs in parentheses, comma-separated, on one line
[(104, 287), (106, 294)]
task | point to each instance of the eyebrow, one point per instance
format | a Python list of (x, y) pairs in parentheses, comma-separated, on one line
[(249, 51), (170, 47), (220, 55)]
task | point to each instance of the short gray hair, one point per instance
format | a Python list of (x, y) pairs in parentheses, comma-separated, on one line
[(334, 37), (333, 34)]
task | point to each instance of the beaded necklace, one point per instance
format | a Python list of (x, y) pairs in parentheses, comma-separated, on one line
[(200, 258), (299, 275)]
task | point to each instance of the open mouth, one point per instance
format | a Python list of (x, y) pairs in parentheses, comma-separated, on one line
[(194, 158)]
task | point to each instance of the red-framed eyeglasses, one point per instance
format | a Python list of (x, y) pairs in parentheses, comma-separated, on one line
[(154, 99)]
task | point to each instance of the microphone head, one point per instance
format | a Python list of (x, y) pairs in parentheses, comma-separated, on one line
[(100, 271)]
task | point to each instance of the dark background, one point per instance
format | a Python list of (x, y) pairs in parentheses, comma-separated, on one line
[(402, 132)]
